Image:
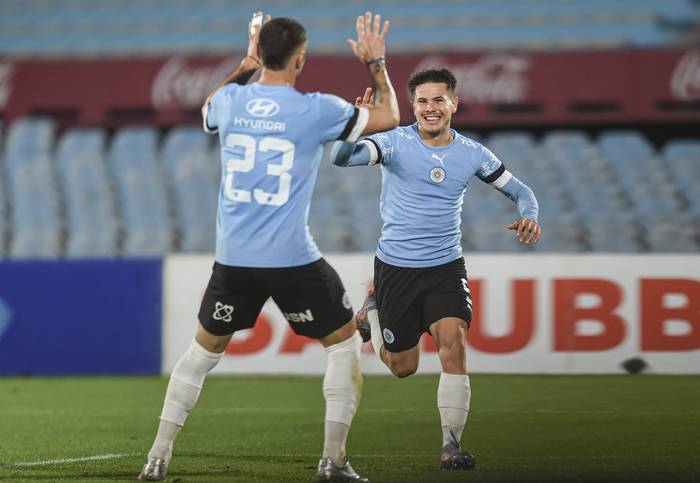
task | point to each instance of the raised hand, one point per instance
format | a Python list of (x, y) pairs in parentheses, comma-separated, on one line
[(371, 38), (527, 231), (254, 35)]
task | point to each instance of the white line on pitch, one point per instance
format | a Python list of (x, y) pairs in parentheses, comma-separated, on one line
[(107, 456)]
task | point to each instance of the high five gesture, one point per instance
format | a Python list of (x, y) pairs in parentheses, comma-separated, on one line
[(370, 48), (371, 38)]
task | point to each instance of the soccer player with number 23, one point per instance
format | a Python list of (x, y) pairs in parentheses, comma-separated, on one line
[(271, 137)]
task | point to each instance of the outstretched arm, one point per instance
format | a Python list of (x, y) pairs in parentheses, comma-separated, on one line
[(526, 228), (523, 197), (370, 48), (364, 153)]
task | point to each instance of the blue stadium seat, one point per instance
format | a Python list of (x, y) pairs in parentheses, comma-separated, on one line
[(92, 225), (624, 146), (141, 192), (33, 194), (191, 173), (75, 198), (615, 236), (672, 235), (163, 26), (683, 158)]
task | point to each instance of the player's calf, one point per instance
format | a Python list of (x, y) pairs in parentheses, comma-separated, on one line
[(402, 364)]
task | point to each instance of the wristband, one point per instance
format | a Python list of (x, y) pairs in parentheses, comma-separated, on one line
[(375, 60)]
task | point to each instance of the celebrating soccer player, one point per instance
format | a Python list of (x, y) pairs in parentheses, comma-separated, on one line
[(420, 280), (270, 136)]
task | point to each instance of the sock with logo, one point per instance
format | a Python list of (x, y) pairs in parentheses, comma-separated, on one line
[(183, 391), (342, 389), (453, 397)]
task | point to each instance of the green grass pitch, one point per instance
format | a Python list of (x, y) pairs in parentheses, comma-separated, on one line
[(255, 429)]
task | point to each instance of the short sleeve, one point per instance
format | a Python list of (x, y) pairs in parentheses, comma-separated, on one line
[(209, 109), (340, 120), (491, 170)]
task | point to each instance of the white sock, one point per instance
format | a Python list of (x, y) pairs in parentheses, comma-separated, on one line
[(342, 389), (453, 397), (183, 391), (377, 340)]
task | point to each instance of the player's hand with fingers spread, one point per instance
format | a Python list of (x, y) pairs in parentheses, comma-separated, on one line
[(254, 26), (527, 231), (370, 45), (367, 100)]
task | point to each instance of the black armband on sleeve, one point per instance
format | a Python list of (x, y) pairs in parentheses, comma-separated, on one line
[(495, 175)]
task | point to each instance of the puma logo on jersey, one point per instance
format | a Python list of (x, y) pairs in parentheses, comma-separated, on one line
[(439, 158), (306, 316)]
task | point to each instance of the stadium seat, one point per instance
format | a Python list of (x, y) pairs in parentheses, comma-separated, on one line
[(683, 159), (664, 235), (141, 192), (32, 189), (82, 194), (90, 210), (188, 26), (191, 172), (615, 236)]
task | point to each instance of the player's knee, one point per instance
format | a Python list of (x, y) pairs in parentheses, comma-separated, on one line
[(403, 369), (211, 342), (404, 372)]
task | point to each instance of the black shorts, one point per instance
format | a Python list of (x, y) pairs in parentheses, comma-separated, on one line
[(411, 299), (311, 297)]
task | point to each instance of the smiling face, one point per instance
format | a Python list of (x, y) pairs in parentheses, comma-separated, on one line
[(433, 105)]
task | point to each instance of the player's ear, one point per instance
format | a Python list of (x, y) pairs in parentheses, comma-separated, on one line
[(300, 60), (455, 101)]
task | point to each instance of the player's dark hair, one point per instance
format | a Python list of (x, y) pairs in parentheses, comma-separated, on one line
[(279, 39), (432, 75)]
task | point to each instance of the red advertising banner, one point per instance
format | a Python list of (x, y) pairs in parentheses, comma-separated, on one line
[(538, 314), (494, 88)]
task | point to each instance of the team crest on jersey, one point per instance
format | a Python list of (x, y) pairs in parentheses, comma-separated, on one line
[(437, 175), (388, 336)]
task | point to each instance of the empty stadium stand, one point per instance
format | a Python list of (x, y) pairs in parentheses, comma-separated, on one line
[(139, 192), (126, 27)]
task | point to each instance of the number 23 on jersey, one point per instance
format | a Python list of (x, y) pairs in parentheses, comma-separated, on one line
[(244, 165)]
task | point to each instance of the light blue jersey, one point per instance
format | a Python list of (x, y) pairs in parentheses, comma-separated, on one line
[(423, 190), (271, 143)]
